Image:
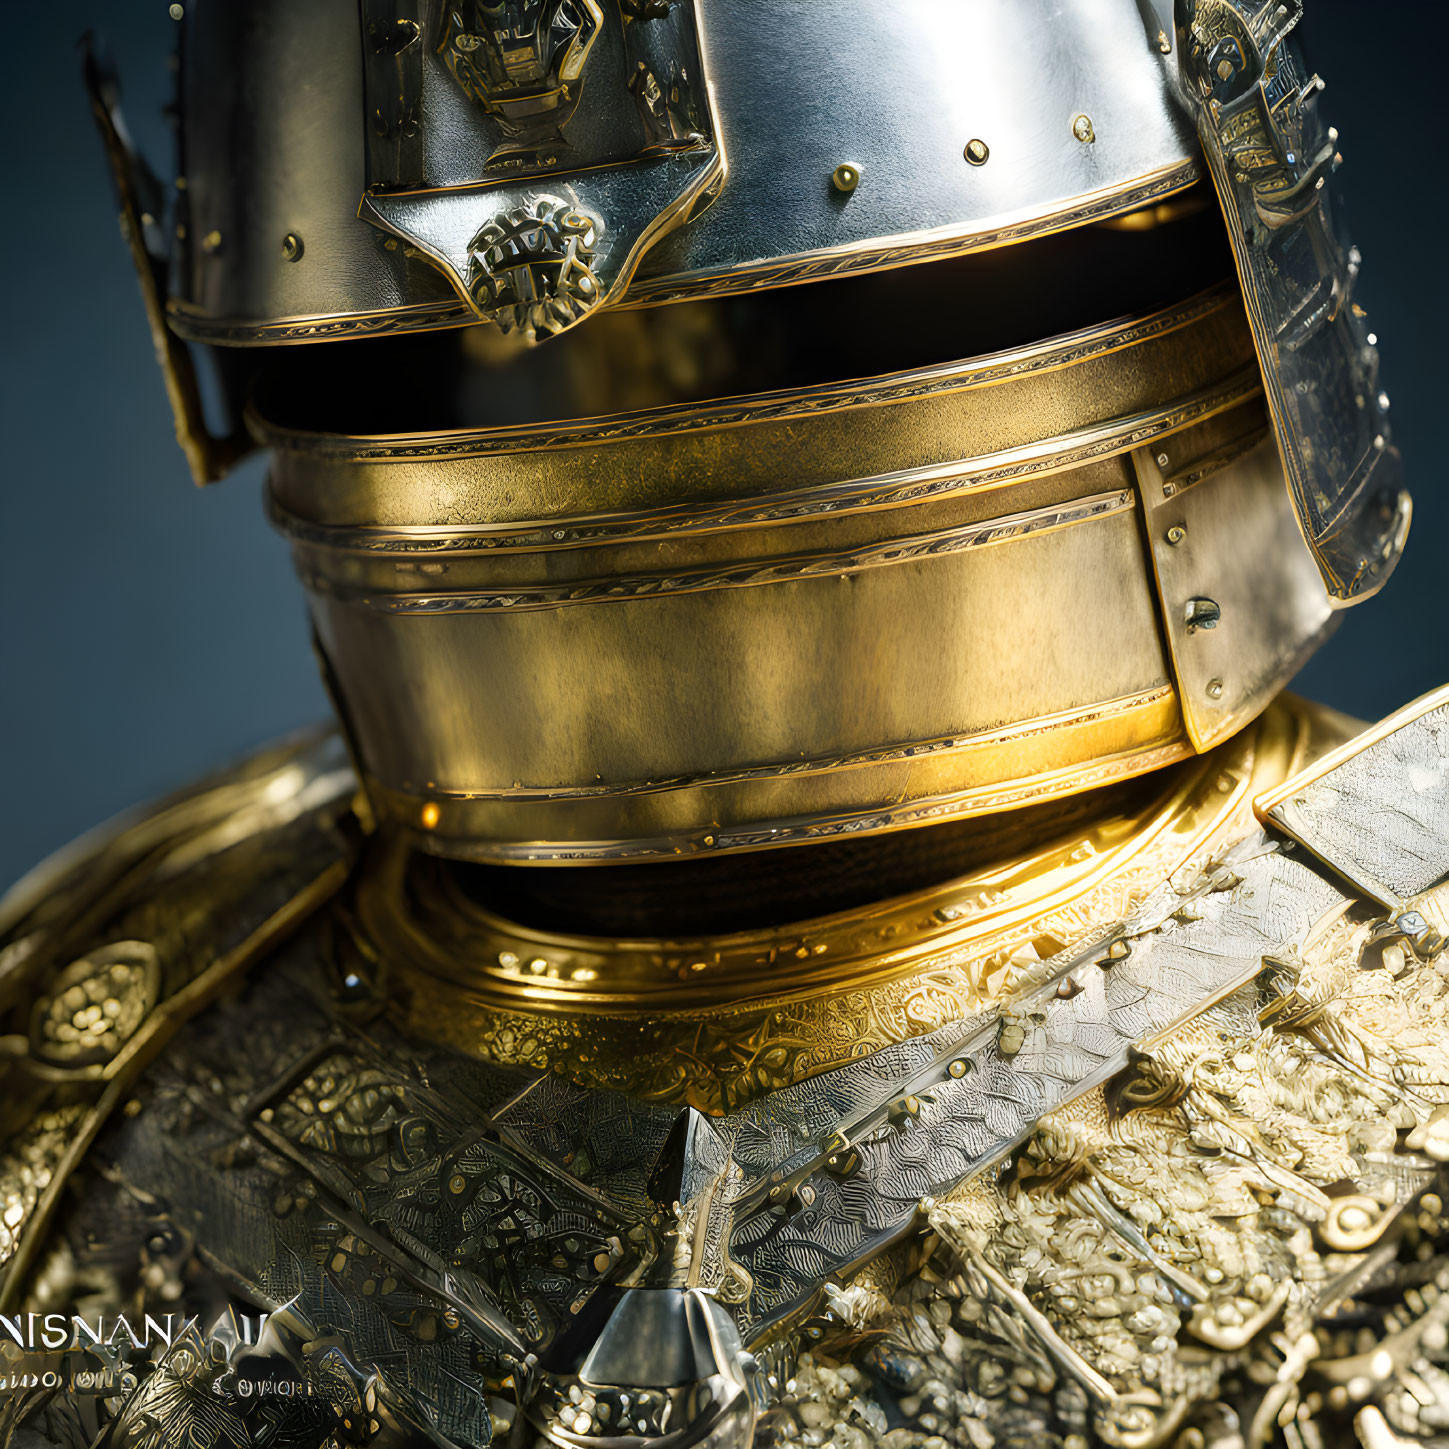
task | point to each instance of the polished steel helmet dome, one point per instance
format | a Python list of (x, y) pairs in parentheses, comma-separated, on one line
[(376, 172)]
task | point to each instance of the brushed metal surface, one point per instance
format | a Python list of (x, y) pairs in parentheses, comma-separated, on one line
[(282, 154), (1272, 609), (798, 89), (899, 91), (786, 617), (1396, 778)]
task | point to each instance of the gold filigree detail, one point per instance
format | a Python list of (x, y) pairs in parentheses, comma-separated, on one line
[(1143, 1246), (27, 1168), (530, 269), (716, 1022), (185, 898), (96, 1005)]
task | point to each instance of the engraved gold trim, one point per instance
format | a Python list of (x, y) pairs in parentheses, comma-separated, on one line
[(1053, 354), (906, 250), (1106, 744), (716, 1020), (189, 322), (914, 248), (884, 490), (752, 573), (742, 453), (1150, 702), (745, 724)]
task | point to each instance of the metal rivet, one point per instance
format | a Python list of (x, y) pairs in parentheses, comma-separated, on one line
[(845, 177), (1162, 460), (211, 241), (1082, 129), (977, 151), (1176, 534), (1215, 688), (176, 12), (291, 247)]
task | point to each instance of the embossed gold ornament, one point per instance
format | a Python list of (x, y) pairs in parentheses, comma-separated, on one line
[(530, 268), (524, 62)]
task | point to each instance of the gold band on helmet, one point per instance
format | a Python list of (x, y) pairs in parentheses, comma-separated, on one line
[(780, 618)]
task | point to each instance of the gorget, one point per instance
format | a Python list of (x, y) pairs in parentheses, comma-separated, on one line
[(1135, 1139)]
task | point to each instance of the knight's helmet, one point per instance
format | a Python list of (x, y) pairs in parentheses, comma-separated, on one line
[(704, 426)]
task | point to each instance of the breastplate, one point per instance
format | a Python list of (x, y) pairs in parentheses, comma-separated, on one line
[(1131, 1136)]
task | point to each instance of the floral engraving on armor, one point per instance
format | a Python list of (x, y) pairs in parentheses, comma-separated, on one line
[(720, 1057), (1194, 1169), (188, 1399), (1245, 1200), (451, 1193)]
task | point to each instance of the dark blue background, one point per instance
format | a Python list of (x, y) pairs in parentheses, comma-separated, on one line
[(149, 631)]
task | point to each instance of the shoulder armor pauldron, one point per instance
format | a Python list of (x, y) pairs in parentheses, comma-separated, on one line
[(106, 948)]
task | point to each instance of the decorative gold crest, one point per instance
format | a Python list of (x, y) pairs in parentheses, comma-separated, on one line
[(523, 62), (533, 150), (530, 267)]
